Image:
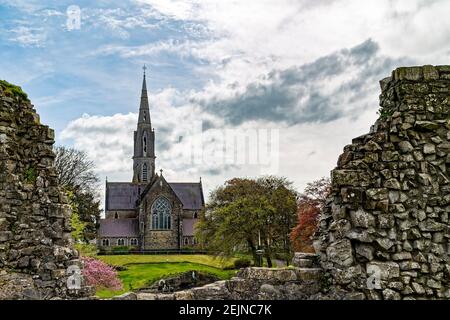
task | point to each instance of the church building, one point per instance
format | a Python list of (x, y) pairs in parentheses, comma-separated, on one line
[(149, 213)]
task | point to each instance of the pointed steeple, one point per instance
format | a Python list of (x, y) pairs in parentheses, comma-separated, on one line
[(144, 141), (144, 109)]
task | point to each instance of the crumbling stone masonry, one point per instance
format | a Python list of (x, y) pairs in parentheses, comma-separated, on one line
[(385, 232), (35, 240)]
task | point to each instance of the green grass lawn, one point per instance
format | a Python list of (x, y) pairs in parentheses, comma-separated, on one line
[(143, 270), (122, 260)]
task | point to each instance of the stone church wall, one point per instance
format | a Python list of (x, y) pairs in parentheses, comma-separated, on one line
[(385, 232), (162, 239), (35, 241)]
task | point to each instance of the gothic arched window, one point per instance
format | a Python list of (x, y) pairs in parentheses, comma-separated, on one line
[(144, 144), (116, 215), (161, 214), (144, 172)]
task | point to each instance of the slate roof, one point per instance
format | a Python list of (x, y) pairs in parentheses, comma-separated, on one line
[(118, 228), (188, 227), (124, 195), (190, 194), (121, 195)]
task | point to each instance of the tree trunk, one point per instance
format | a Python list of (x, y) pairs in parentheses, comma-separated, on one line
[(268, 252), (269, 260), (253, 249)]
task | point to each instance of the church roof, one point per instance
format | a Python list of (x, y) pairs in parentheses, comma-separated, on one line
[(121, 195), (118, 228), (188, 227), (124, 195), (190, 194)]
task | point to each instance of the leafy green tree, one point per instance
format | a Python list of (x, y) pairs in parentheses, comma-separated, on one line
[(77, 176), (249, 214), (77, 225)]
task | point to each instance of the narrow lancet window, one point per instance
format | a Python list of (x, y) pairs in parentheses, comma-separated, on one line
[(144, 173)]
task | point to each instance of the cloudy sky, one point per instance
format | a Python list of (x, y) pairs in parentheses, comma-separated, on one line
[(303, 73)]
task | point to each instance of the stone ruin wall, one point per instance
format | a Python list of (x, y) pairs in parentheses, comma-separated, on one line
[(35, 240), (387, 220)]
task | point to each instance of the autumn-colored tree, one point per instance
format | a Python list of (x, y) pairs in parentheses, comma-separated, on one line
[(310, 203)]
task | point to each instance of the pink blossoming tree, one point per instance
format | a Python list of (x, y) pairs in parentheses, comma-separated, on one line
[(100, 275)]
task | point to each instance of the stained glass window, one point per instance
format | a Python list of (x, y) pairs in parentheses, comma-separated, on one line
[(161, 214)]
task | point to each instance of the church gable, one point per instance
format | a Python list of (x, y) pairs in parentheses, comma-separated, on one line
[(159, 187)]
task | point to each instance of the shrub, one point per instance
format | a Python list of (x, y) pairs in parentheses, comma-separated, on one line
[(242, 263), (86, 250), (100, 275), (13, 90), (30, 175), (121, 249)]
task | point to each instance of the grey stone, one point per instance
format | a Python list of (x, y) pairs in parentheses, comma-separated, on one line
[(389, 294), (405, 146), (426, 125), (387, 270), (362, 218), (365, 251), (126, 296), (341, 253), (392, 184), (429, 148)]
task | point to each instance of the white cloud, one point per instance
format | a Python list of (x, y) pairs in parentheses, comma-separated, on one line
[(240, 44), (28, 36)]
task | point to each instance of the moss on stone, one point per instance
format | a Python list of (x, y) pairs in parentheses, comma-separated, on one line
[(12, 90)]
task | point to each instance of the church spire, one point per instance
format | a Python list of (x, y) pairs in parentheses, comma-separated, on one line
[(144, 141), (144, 109)]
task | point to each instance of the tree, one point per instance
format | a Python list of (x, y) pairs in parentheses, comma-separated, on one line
[(310, 203), (75, 170), (77, 176), (77, 225), (249, 214), (100, 275), (284, 199)]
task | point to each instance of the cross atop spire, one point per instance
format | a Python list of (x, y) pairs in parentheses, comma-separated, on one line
[(144, 110)]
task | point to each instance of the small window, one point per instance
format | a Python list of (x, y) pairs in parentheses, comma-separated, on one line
[(116, 215), (186, 241), (144, 172), (120, 242), (193, 241), (195, 215), (133, 242), (105, 242)]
